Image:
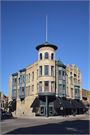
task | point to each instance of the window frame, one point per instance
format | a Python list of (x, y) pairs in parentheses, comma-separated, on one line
[(45, 86), (40, 56), (52, 71), (40, 72), (40, 86), (60, 76), (52, 56), (47, 54), (46, 70)]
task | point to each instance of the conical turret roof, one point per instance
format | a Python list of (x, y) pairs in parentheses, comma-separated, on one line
[(46, 44), (60, 63)]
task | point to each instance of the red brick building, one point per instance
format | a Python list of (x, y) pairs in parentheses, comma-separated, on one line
[(3, 100), (86, 97)]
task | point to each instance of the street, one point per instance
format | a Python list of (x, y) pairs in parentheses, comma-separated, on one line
[(73, 125)]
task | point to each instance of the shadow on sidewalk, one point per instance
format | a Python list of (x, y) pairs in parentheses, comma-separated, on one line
[(66, 127)]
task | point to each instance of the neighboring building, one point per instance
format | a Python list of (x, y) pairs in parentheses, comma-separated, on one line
[(86, 98), (46, 87), (3, 100)]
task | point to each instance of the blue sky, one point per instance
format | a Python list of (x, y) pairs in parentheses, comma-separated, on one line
[(23, 27)]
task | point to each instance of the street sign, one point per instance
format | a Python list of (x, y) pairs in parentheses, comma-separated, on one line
[(61, 108)]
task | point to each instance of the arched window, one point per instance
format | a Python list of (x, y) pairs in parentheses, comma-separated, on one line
[(40, 56), (46, 55), (52, 56)]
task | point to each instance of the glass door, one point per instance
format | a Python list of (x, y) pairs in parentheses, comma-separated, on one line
[(50, 110), (42, 110)]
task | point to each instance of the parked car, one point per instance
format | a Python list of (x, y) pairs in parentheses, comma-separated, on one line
[(7, 114)]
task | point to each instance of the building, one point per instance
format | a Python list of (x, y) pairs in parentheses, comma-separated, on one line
[(46, 87), (86, 98), (3, 100)]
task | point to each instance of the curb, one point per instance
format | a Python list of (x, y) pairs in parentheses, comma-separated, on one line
[(58, 117)]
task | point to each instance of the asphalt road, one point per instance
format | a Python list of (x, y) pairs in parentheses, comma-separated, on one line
[(45, 126)]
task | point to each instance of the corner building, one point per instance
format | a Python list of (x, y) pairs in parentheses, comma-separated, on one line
[(46, 87)]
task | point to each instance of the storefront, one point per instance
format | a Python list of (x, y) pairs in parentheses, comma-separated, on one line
[(56, 106), (12, 106)]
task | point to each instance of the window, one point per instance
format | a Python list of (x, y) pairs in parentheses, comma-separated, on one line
[(67, 92), (23, 78), (46, 55), (29, 90), (78, 82), (52, 70), (46, 70), (37, 87), (59, 74), (63, 89), (22, 90), (26, 91), (32, 87), (20, 78), (29, 77), (75, 81), (40, 56), (40, 70), (52, 56), (46, 87), (32, 76), (15, 81), (37, 73), (60, 89), (63, 75), (14, 93), (71, 80), (40, 86), (75, 75), (52, 86), (76, 92), (26, 78), (71, 92), (70, 73)]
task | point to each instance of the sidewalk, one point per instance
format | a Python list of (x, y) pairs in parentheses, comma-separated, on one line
[(55, 117)]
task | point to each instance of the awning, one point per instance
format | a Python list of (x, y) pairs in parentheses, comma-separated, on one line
[(11, 104), (78, 104), (35, 103), (64, 103), (56, 103)]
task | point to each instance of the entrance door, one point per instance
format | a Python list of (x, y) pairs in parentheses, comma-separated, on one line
[(50, 111), (43, 110)]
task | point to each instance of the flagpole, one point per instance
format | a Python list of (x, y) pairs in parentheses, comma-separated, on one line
[(46, 27)]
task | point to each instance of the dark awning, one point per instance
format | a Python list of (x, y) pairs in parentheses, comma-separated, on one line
[(78, 104), (56, 103), (11, 104), (82, 105), (64, 103), (35, 103)]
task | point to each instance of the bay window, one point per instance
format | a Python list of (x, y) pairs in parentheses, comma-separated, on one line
[(52, 70), (46, 70), (46, 86)]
